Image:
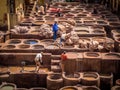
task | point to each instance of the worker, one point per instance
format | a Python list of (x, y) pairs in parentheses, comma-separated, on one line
[(23, 63), (64, 37), (93, 45), (58, 12), (95, 11), (38, 61), (63, 60), (42, 10), (55, 30)]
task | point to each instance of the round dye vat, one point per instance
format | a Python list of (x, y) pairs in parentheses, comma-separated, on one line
[(7, 88), (118, 82), (54, 81), (117, 35), (82, 31), (98, 31), (112, 55), (101, 22), (38, 47), (9, 47), (52, 47), (47, 41), (115, 88), (89, 22), (92, 54), (30, 42), (23, 46), (90, 79), (75, 75), (69, 88), (90, 88), (14, 41), (38, 88)]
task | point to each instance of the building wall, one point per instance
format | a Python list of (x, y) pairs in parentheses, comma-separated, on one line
[(3, 12)]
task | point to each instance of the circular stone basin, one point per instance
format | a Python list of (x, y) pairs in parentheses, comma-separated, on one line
[(9, 47), (75, 75), (30, 42), (78, 21), (115, 24), (62, 18), (101, 22), (37, 88), (72, 55), (69, 88), (7, 87), (55, 76), (98, 31), (38, 47), (51, 14), (118, 88), (52, 47), (23, 46), (112, 19), (82, 31), (14, 41), (91, 88), (69, 15), (39, 19), (75, 12), (88, 18), (118, 35), (38, 22), (50, 18), (92, 54), (77, 18), (68, 46), (118, 39), (90, 76), (97, 27), (99, 39), (81, 15), (34, 32), (112, 55), (47, 41), (118, 81), (89, 22), (78, 9)]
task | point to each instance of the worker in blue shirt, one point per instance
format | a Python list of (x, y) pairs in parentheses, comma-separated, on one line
[(55, 30)]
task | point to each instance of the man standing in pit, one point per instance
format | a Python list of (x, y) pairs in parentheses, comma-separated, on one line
[(38, 61), (63, 60)]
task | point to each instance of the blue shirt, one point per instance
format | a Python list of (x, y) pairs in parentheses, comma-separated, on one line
[(55, 27)]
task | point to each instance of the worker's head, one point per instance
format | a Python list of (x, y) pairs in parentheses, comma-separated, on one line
[(64, 52), (41, 52), (55, 22)]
